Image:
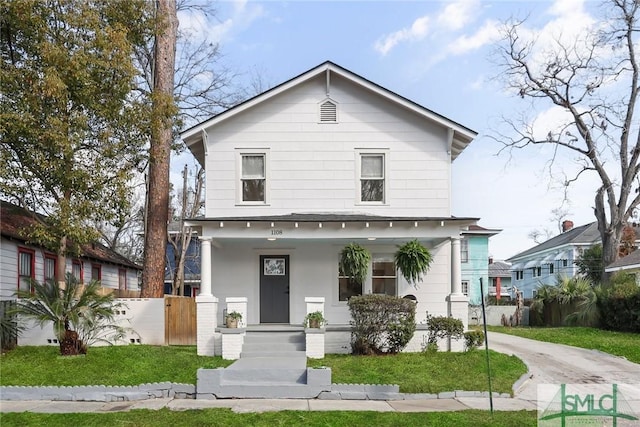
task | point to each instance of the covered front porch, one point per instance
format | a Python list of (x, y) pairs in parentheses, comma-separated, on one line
[(275, 264)]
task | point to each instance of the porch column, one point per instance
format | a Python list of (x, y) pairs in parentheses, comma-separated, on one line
[(206, 304), (458, 302), (456, 267), (205, 266)]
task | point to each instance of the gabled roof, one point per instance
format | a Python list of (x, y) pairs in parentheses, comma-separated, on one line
[(584, 234), (631, 261), (14, 220), (461, 135), (499, 269)]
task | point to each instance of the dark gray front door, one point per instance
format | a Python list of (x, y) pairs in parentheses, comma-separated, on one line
[(274, 289)]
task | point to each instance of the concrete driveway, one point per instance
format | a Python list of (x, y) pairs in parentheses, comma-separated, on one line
[(562, 364)]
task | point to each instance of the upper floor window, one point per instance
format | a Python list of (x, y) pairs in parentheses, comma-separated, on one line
[(76, 270), (464, 250), (372, 178), (537, 271), (50, 262), (383, 276), (253, 178), (519, 274), (551, 268), (26, 268)]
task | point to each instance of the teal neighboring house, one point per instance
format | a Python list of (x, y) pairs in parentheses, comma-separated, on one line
[(474, 248)]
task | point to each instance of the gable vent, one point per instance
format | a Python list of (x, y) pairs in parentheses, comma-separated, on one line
[(328, 112)]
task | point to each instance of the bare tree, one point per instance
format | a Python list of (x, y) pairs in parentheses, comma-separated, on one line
[(190, 205), (162, 123), (593, 79)]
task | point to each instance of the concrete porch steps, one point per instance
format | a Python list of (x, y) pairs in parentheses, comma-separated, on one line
[(272, 364)]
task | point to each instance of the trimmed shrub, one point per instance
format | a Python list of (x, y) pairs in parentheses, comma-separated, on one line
[(443, 327), (381, 323), (473, 340), (620, 308)]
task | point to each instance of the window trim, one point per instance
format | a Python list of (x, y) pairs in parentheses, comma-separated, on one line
[(240, 153), (360, 152), (79, 262), (464, 250), (122, 274), (384, 258), (51, 256), (31, 252), (99, 267)]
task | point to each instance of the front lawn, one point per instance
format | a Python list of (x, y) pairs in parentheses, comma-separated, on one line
[(426, 372), (112, 365), (226, 418), (134, 365), (625, 344)]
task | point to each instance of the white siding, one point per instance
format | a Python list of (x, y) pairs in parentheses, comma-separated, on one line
[(314, 273), (8, 268), (312, 165)]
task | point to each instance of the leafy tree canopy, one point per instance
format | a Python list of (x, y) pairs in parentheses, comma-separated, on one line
[(70, 132)]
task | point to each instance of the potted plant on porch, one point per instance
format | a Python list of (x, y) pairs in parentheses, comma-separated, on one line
[(314, 319), (233, 318)]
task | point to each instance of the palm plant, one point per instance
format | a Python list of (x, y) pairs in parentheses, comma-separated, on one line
[(354, 262), (80, 314), (413, 260)]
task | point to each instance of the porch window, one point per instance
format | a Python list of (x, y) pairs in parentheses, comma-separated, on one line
[(253, 178), (347, 288), (96, 272), (76, 270), (372, 178), (383, 277), (26, 268), (50, 262), (465, 287), (464, 250)]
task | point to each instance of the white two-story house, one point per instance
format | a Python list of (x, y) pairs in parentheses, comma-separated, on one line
[(301, 170)]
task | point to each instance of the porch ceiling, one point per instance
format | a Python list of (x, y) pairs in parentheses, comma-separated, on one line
[(338, 228)]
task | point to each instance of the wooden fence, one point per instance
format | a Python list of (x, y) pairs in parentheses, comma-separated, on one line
[(179, 320)]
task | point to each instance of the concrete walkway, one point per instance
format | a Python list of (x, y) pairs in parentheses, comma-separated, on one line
[(270, 405)]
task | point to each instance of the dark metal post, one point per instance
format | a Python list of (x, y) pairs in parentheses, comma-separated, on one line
[(486, 345)]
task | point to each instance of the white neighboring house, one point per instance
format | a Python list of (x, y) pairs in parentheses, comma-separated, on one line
[(298, 172), (21, 261)]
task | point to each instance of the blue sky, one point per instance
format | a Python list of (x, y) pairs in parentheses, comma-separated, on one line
[(437, 54)]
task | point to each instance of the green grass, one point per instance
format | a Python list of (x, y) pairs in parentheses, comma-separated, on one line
[(226, 418), (134, 365), (113, 365), (625, 344), (426, 372)]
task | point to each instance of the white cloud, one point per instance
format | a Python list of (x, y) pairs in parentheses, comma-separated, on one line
[(458, 14), (488, 33), (418, 30)]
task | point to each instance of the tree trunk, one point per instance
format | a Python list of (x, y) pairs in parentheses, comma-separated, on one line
[(164, 109), (61, 261)]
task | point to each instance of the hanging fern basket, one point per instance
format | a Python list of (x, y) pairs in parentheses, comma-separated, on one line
[(354, 262), (413, 260)]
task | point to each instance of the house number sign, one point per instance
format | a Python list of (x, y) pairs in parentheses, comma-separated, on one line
[(276, 232)]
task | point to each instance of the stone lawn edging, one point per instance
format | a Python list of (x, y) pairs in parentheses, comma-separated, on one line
[(102, 393)]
